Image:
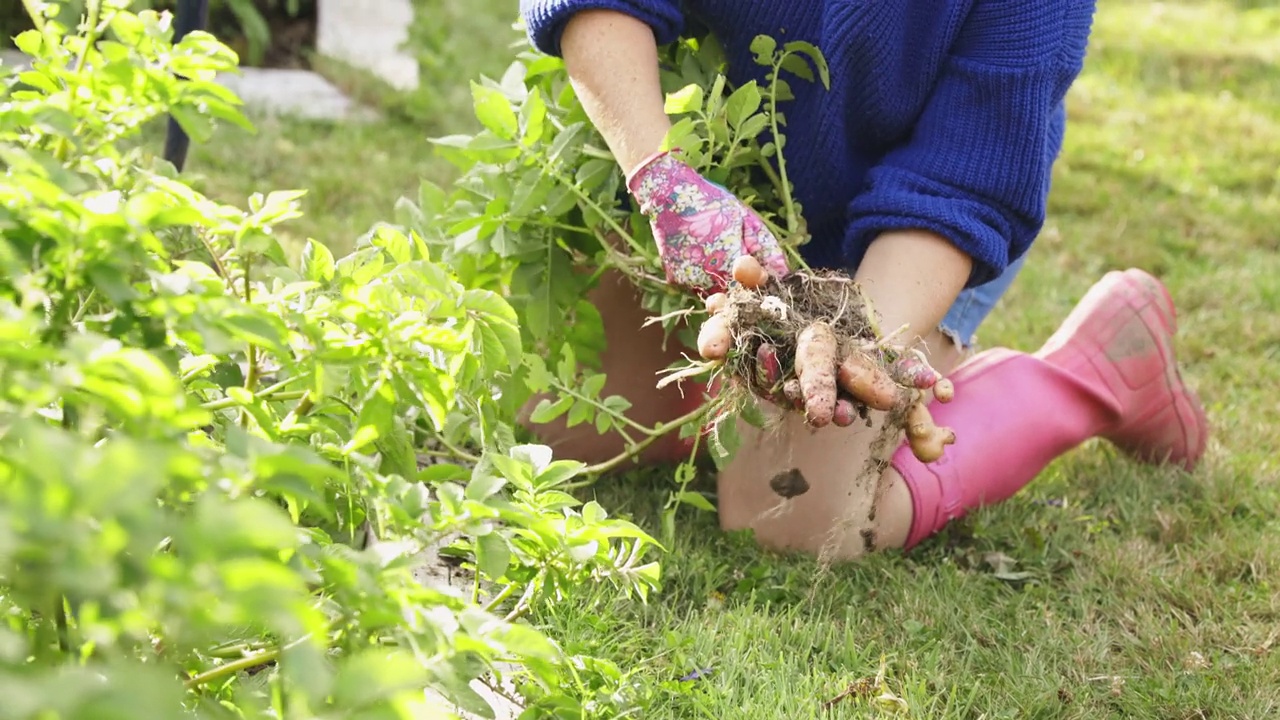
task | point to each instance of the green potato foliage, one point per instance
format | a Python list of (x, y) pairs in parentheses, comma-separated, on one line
[(214, 475)]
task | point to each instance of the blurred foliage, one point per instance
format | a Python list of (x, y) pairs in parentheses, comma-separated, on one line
[(244, 21)]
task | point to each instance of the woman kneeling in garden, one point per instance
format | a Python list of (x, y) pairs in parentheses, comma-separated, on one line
[(924, 170)]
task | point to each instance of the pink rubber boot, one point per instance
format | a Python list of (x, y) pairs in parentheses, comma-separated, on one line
[(1109, 371)]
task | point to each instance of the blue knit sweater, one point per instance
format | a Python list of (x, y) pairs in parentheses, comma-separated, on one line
[(943, 115)]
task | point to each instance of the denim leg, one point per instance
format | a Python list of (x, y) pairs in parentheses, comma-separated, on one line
[(974, 304)]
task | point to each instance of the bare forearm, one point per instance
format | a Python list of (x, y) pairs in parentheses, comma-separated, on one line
[(612, 61), (912, 277)]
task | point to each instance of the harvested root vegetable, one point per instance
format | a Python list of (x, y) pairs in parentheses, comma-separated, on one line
[(926, 439), (914, 372), (748, 272), (845, 414), (944, 390), (715, 338), (768, 367), (861, 377), (792, 392), (810, 343), (815, 366)]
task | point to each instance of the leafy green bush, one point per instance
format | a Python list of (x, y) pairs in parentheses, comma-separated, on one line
[(250, 17), (213, 482)]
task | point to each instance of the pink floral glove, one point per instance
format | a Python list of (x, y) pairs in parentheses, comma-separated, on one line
[(700, 227)]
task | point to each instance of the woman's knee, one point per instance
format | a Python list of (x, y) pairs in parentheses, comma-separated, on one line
[(816, 492)]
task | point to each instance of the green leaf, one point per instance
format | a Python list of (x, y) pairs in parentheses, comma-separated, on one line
[(697, 500), (753, 126), (395, 242), (558, 473), (377, 675), (493, 555), (797, 66), (742, 104), (762, 47), (484, 485), (29, 42), (197, 126), (725, 441), (317, 262), (548, 410), (685, 100), (500, 343), (534, 115), (494, 111), (815, 55), (256, 329), (379, 409)]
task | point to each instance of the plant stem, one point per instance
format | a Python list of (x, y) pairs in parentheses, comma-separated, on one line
[(635, 449), (233, 667), (601, 407), (499, 598), (456, 451), (37, 19), (60, 619), (592, 204), (303, 407), (227, 403), (526, 599), (777, 143), (92, 9)]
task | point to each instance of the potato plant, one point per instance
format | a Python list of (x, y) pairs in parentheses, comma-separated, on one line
[(541, 210), (218, 464)]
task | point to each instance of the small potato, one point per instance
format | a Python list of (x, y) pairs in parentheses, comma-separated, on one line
[(926, 439), (944, 390), (859, 376), (815, 365), (930, 448), (749, 273), (845, 415), (914, 372), (768, 367), (714, 338), (919, 422), (716, 302), (793, 393)]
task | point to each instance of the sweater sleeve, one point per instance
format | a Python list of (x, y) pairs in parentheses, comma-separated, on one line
[(545, 19), (977, 168)]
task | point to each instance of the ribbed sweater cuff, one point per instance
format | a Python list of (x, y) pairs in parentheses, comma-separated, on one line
[(545, 19), (904, 201), (977, 167)]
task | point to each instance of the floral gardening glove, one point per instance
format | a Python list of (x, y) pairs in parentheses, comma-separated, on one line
[(700, 227)]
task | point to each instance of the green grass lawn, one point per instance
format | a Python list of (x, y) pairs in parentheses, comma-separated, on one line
[(1142, 593)]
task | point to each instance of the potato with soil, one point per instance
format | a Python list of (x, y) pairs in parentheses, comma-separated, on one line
[(807, 342)]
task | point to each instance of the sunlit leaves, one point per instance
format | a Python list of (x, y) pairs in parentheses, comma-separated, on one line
[(212, 456)]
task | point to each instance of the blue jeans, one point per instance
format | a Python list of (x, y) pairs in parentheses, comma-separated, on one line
[(974, 304)]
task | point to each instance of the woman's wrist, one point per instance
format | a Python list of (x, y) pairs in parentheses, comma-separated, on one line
[(912, 277)]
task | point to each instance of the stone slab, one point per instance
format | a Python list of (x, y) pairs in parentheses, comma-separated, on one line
[(13, 59), (296, 93), (368, 34)]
